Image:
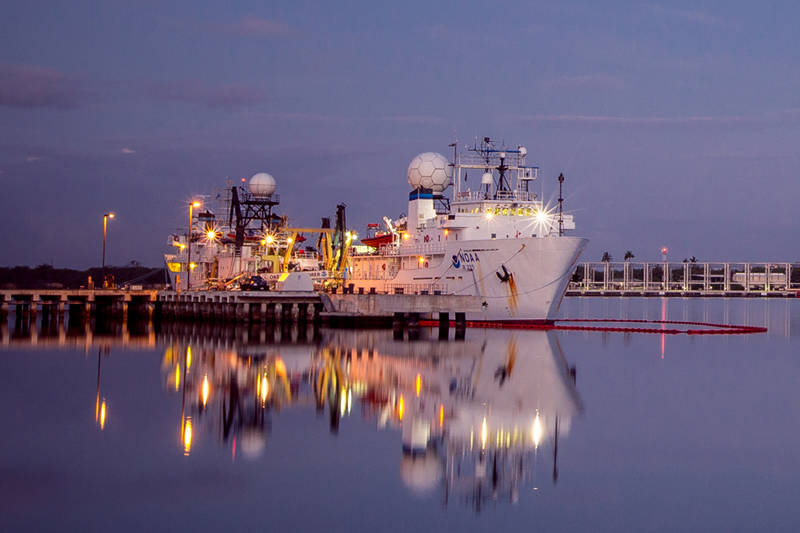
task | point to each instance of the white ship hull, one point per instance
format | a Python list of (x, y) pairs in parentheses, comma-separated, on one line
[(536, 274)]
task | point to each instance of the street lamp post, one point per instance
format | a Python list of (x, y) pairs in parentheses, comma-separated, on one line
[(192, 205), (106, 216)]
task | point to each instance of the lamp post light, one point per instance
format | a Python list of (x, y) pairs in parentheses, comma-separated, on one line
[(192, 205), (106, 216)]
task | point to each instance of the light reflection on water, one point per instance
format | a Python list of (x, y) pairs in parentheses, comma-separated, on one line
[(472, 417), (525, 425)]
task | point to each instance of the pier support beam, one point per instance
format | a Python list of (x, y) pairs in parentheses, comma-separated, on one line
[(412, 322), (286, 313), (727, 277), (398, 323), (302, 313), (444, 326), (461, 326), (747, 277)]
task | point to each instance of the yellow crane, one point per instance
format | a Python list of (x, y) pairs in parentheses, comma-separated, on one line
[(292, 239)]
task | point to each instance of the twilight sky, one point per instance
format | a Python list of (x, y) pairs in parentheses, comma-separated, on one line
[(675, 123)]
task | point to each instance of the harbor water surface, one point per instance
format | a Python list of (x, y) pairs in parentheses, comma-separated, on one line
[(204, 429)]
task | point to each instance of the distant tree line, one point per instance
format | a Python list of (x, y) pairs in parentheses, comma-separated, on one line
[(46, 277)]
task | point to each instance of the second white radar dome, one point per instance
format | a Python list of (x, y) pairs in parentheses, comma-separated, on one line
[(431, 171), (262, 184)]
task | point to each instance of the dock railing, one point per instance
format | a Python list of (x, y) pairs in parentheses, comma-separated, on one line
[(707, 278)]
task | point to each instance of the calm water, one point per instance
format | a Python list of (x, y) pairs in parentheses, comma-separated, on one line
[(211, 429)]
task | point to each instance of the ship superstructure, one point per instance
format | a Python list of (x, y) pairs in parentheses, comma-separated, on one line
[(495, 239)]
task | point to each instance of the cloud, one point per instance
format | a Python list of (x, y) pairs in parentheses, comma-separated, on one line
[(252, 26), (32, 158), (29, 86), (412, 119), (319, 117), (687, 15), (631, 120), (225, 96), (601, 81), (127, 150)]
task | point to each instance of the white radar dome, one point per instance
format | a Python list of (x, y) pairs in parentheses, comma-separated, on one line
[(431, 171), (262, 184)]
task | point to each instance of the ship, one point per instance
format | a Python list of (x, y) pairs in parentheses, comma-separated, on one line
[(494, 238)]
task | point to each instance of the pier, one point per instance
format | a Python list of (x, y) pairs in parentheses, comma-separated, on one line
[(85, 303), (725, 279), (345, 310), (240, 306)]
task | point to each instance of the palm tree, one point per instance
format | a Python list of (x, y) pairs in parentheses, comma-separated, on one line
[(627, 275), (606, 260)]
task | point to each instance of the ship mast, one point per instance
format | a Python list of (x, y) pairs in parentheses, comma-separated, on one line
[(488, 158)]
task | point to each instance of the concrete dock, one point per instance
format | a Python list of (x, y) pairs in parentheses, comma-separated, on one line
[(302, 306)]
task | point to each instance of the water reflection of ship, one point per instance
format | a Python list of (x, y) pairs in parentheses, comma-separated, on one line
[(228, 392), (475, 417)]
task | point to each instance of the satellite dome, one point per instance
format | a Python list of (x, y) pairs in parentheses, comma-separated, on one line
[(262, 184), (487, 178), (431, 171)]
